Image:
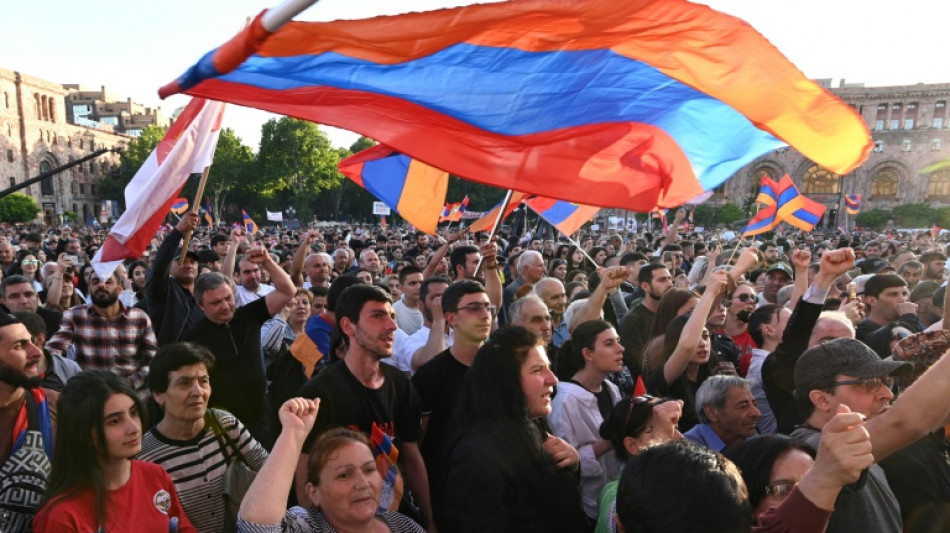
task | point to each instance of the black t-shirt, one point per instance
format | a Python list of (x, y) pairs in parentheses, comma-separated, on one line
[(345, 402), (919, 475), (438, 383), (680, 389), (237, 382)]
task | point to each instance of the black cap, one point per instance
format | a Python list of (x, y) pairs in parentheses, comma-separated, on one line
[(818, 366), (873, 265), (190, 253)]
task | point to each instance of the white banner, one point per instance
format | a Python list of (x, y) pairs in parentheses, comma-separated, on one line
[(379, 208), (275, 216)]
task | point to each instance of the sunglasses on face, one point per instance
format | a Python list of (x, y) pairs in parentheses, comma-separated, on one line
[(870, 384), (744, 298)]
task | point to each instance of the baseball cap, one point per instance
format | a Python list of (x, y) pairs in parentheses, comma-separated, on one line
[(924, 289), (818, 366), (873, 265), (190, 253), (781, 267)]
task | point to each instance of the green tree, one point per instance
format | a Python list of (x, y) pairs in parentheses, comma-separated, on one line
[(18, 208), (729, 213), (704, 215), (873, 219), (943, 217), (112, 187), (914, 215), (232, 170), (295, 154)]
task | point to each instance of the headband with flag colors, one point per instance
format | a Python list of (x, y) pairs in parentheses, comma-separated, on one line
[(409, 187), (250, 226), (567, 217), (179, 206), (654, 86), (852, 204), (187, 148)]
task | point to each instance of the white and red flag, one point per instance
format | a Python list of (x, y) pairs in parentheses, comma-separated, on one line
[(187, 148)]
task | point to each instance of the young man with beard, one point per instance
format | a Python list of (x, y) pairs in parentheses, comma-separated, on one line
[(469, 313), (107, 335), (27, 418), (362, 394), (655, 280)]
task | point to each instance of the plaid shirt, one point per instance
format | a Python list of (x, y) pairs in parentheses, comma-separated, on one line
[(124, 344)]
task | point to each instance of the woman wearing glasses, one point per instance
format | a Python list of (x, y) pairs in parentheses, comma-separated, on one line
[(771, 466), (28, 266), (634, 424), (506, 472), (584, 400)]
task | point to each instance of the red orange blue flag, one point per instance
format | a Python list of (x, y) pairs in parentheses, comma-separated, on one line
[(249, 225), (654, 87), (487, 221), (766, 218), (567, 217), (410, 187), (179, 206), (209, 217), (852, 204), (783, 203)]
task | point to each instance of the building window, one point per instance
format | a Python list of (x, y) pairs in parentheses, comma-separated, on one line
[(92, 189), (884, 184), (939, 184), (896, 107), (878, 146), (938, 123), (905, 145), (820, 181), (9, 156), (9, 130), (935, 145), (46, 186), (895, 124), (879, 125), (12, 181), (908, 123), (82, 188), (6, 100)]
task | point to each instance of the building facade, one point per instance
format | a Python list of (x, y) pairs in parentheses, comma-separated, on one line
[(36, 136), (910, 127)]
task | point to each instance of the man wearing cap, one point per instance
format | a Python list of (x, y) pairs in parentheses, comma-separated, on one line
[(845, 372), (169, 285), (885, 296), (27, 418), (875, 265), (776, 277), (923, 296)]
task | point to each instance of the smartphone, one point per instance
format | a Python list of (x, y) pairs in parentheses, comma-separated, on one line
[(852, 291), (781, 249), (74, 259)]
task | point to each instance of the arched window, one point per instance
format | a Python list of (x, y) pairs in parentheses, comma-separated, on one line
[(884, 184), (820, 181), (905, 145), (939, 187), (52, 110), (6, 100), (37, 106), (46, 186)]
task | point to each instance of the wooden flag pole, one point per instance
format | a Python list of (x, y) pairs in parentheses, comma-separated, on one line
[(494, 229), (578, 245), (186, 241)]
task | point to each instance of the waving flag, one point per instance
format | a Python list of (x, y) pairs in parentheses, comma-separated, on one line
[(209, 218), (567, 217), (796, 209), (451, 212), (766, 218), (187, 148), (179, 206), (409, 187), (463, 205), (615, 104), (852, 204), (488, 219), (250, 226)]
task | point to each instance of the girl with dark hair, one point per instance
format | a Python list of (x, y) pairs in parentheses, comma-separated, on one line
[(687, 357), (584, 400), (634, 424), (558, 269), (578, 276), (766, 327), (576, 259), (771, 466), (599, 255), (675, 302), (28, 265), (506, 472), (563, 252), (94, 484)]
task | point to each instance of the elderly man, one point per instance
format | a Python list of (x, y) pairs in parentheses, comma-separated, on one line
[(727, 412), (315, 266), (530, 271), (107, 335), (551, 291)]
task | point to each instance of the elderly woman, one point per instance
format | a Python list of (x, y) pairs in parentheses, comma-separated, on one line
[(192, 442), (343, 484)]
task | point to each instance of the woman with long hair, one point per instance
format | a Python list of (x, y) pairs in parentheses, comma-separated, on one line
[(599, 255), (506, 472), (28, 266), (675, 302), (771, 466), (95, 485), (687, 358), (558, 269), (584, 400), (576, 259), (563, 251)]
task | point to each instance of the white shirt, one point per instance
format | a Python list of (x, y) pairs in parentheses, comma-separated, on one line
[(407, 318), (766, 423), (243, 296)]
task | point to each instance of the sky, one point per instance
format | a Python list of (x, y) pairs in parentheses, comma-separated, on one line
[(133, 48)]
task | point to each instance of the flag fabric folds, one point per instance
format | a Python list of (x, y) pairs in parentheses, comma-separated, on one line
[(209, 217), (249, 225), (487, 221), (410, 187), (852, 204), (616, 104), (783, 203), (179, 206), (567, 217), (187, 148), (452, 212)]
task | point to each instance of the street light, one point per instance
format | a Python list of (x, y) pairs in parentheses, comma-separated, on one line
[(290, 215)]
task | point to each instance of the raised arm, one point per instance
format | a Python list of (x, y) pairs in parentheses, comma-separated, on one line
[(436, 341), (283, 288), (800, 260), (672, 234), (440, 252), (611, 278), (55, 290), (493, 285), (296, 266), (690, 337), (266, 499), (238, 235)]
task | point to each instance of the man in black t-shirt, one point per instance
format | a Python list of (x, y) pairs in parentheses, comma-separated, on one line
[(362, 394), (234, 337), (468, 311)]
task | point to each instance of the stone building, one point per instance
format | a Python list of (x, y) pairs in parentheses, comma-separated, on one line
[(36, 136), (910, 126), (97, 107)]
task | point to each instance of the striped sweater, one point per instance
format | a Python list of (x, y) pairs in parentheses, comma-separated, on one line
[(197, 467)]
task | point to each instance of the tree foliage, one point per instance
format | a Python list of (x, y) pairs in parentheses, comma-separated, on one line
[(729, 213), (914, 216), (232, 170), (943, 217), (704, 216), (295, 154), (873, 219), (18, 208), (113, 186)]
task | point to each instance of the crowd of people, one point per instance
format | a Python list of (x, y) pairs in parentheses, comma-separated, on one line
[(388, 380)]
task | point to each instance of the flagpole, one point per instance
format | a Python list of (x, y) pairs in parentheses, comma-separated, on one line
[(494, 228), (277, 16), (194, 209), (578, 246)]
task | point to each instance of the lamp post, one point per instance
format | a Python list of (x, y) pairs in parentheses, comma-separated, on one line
[(290, 215)]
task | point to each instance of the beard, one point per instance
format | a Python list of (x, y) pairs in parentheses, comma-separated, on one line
[(18, 378), (104, 301)]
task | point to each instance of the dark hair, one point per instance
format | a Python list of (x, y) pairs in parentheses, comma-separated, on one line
[(553, 266), (12, 280), (77, 466), (626, 421), (34, 323), (569, 288), (456, 291), (631, 257), (593, 254), (666, 310), (408, 271), (354, 298), (339, 285), (571, 265), (756, 458), (760, 317), (426, 283), (131, 269), (172, 357), (927, 257), (646, 272), (570, 357), (570, 275), (658, 484), (458, 256), (319, 291), (879, 283)]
